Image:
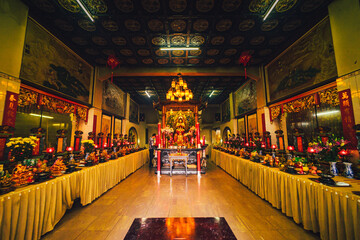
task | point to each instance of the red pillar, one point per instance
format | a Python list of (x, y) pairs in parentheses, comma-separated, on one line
[(159, 152), (198, 162), (198, 145)]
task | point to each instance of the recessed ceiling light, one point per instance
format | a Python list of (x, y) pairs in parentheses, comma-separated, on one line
[(85, 10), (270, 9), (178, 48), (38, 115)]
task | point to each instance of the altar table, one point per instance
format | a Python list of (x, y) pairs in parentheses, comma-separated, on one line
[(32, 211), (332, 211)]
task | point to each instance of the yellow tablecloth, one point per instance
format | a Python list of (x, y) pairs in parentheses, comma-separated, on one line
[(332, 211), (29, 212)]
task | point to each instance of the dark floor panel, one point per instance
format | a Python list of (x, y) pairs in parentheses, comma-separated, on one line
[(179, 228)]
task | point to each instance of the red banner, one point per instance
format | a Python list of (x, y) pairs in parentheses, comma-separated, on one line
[(347, 116), (11, 103)]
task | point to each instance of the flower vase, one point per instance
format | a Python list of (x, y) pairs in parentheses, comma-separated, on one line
[(334, 171), (348, 171), (87, 155)]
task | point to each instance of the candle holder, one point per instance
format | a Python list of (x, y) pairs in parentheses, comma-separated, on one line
[(291, 151), (311, 152), (273, 147)]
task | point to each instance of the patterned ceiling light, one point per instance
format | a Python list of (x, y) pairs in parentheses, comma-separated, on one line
[(179, 91)]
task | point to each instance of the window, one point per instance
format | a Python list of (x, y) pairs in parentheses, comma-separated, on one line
[(50, 121)]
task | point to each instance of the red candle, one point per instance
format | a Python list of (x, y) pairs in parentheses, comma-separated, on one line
[(50, 150), (203, 143), (343, 152), (291, 148), (198, 135), (159, 135), (311, 150)]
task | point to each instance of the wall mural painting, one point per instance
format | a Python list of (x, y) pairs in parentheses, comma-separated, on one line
[(47, 62), (245, 98), (225, 111), (252, 124), (117, 127), (308, 62), (106, 124), (134, 112), (113, 99)]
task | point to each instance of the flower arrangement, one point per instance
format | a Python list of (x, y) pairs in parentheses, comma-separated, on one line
[(21, 148), (167, 130), (88, 145), (329, 151)]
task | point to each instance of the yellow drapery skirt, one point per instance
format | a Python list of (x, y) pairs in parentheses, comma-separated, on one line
[(32, 211), (332, 211)]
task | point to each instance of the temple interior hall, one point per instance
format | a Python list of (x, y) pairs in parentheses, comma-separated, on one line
[(179, 119)]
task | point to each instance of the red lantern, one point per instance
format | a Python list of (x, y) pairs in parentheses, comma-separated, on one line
[(105, 145), (112, 62), (263, 145), (244, 59), (96, 146), (69, 149), (247, 144), (273, 146)]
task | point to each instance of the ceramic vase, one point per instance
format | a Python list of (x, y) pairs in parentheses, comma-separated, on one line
[(348, 171), (334, 171)]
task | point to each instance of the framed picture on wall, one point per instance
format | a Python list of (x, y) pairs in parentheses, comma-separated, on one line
[(310, 61), (113, 99), (252, 123), (117, 126), (241, 126), (225, 111), (134, 112), (245, 98), (106, 124), (49, 63)]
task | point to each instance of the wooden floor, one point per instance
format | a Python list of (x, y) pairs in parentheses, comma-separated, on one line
[(215, 194)]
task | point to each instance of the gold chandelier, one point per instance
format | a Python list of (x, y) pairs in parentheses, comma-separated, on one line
[(179, 90)]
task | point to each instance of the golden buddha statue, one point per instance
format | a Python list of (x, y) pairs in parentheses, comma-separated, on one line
[(179, 131)]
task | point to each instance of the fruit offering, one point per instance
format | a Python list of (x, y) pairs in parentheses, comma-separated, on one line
[(22, 176), (5, 183), (41, 166), (58, 168)]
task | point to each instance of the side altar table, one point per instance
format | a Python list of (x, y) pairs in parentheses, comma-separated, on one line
[(30, 212), (332, 211)]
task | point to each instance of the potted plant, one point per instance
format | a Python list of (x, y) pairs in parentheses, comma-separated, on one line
[(329, 150), (21, 148), (89, 147)]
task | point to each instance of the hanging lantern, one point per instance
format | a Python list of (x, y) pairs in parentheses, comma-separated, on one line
[(244, 59), (112, 62)]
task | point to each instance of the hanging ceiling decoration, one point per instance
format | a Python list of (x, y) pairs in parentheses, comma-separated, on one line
[(179, 91)]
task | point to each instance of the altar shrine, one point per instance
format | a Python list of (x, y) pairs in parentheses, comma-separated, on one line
[(181, 150)]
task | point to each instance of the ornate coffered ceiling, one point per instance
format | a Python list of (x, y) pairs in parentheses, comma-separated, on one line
[(134, 30)]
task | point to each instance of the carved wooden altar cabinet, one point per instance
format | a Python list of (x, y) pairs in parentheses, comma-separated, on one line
[(179, 135)]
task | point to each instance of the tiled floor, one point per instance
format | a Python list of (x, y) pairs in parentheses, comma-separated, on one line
[(143, 195)]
